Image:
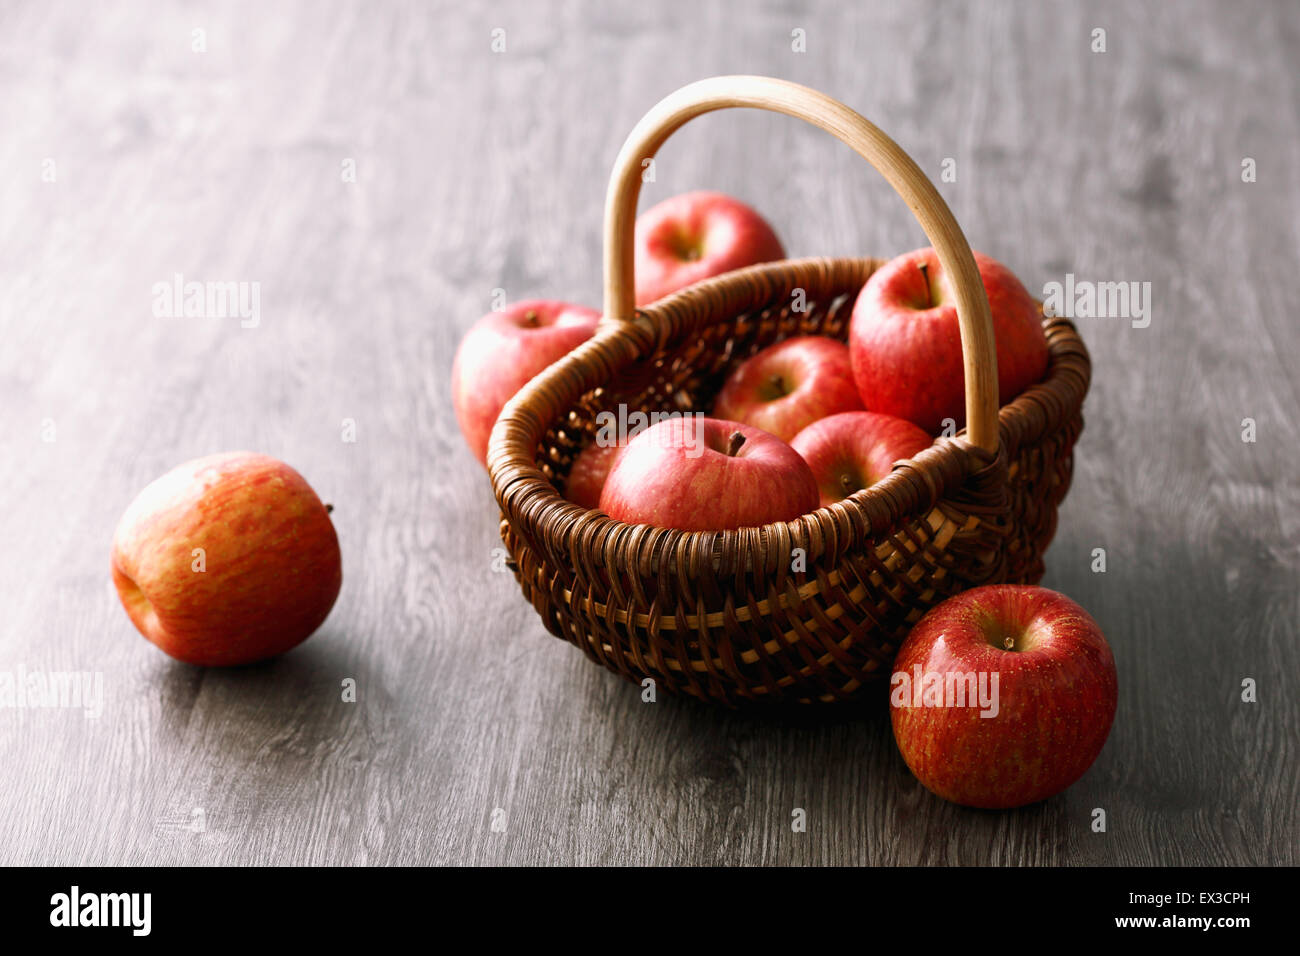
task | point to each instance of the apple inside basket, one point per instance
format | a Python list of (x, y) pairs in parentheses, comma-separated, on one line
[(809, 610)]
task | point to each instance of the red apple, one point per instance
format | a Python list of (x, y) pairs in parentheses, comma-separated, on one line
[(588, 473), (502, 352), (789, 385), (703, 474), (1047, 687), (854, 450), (906, 344), (227, 560), (696, 236)]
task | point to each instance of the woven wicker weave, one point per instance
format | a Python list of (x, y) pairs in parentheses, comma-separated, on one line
[(809, 610)]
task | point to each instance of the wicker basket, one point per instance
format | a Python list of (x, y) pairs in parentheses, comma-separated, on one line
[(810, 610)]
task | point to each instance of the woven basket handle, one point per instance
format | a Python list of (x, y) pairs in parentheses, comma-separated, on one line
[(780, 96)]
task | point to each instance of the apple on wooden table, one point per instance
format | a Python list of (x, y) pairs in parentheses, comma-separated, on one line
[(227, 560), (702, 474), (905, 340), (695, 236), (502, 352), (789, 385), (1049, 691), (854, 450)]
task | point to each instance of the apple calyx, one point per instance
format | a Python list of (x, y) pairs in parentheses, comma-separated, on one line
[(687, 246), (530, 318), (775, 389), (734, 443)]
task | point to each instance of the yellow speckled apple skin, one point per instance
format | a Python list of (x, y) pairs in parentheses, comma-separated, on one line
[(227, 560)]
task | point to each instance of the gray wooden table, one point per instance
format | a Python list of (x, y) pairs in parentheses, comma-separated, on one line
[(134, 148)]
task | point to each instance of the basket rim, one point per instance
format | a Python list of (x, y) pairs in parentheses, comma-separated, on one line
[(533, 504)]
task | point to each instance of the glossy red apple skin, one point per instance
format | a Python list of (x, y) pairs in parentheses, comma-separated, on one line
[(656, 481), (790, 385), (588, 473), (1057, 697), (502, 351), (271, 556), (854, 450), (907, 358), (696, 236)]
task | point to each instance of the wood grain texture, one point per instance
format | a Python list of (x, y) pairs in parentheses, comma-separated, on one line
[(478, 170)]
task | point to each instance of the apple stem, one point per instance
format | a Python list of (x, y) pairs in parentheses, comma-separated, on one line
[(734, 443), (1008, 642), (846, 483), (531, 317), (925, 274), (329, 509)]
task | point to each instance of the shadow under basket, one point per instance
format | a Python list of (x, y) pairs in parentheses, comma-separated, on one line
[(812, 610)]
